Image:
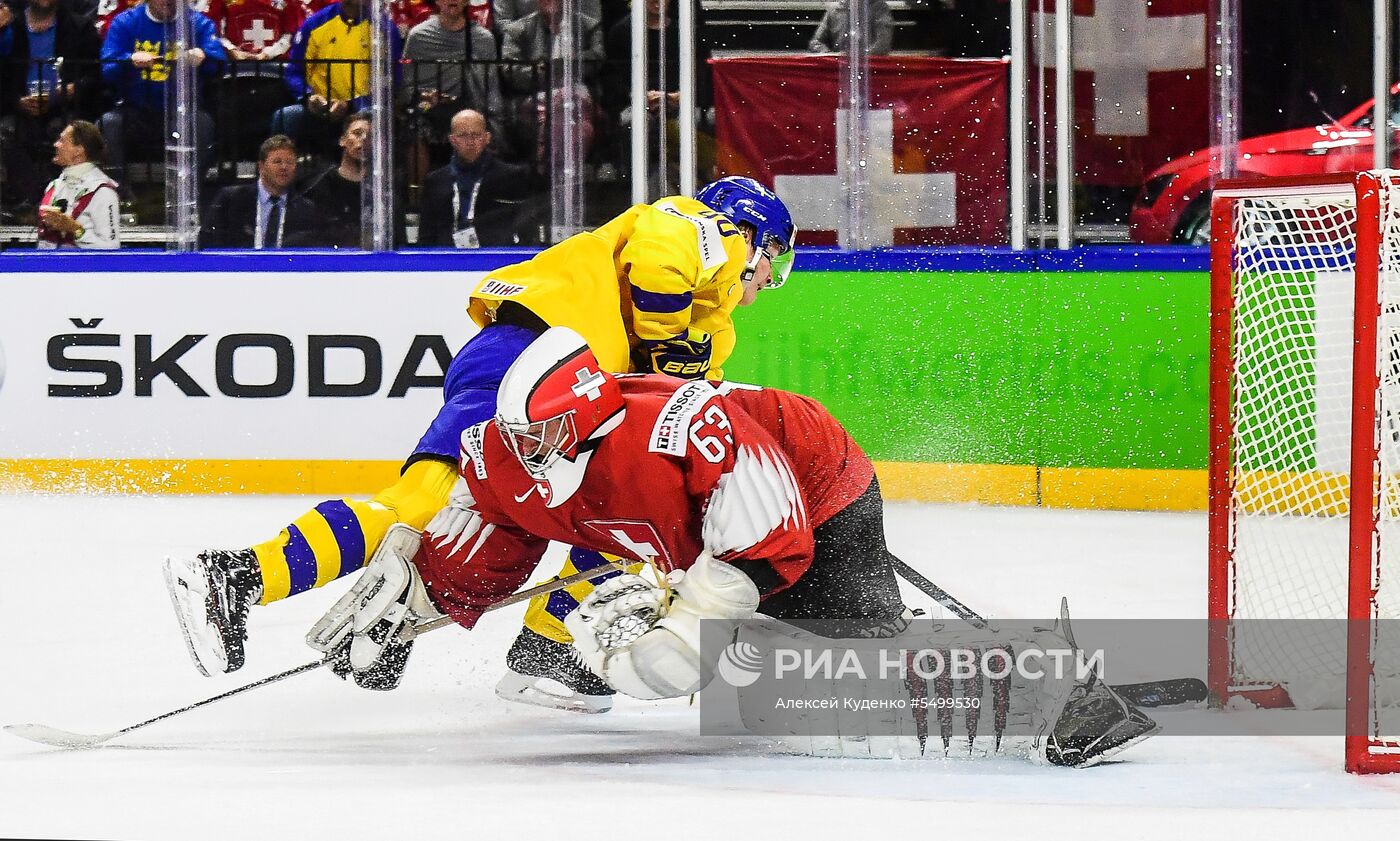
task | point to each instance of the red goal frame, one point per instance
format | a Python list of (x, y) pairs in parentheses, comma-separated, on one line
[(1364, 753)]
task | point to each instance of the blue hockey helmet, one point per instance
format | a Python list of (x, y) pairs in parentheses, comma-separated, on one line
[(746, 201)]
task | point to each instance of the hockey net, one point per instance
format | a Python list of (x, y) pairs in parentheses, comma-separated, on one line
[(1304, 561)]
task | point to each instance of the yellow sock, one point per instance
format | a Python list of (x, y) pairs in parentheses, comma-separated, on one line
[(339, 536), (545, 615)]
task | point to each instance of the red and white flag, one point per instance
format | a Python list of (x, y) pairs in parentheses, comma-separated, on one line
[(937, 158), (1141, 86)]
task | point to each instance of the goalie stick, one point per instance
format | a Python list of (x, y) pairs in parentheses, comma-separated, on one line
[(1157, 693), (54, 737), (941, 596)]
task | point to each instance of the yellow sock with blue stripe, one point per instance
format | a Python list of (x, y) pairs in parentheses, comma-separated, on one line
[(545, 615), (338, 536)]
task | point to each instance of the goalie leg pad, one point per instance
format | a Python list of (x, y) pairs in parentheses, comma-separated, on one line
[(1048, 716)]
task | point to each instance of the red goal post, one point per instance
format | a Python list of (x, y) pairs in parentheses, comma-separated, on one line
[(1305, 430)]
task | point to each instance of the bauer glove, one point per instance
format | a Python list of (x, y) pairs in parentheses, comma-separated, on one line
[(686, 356)]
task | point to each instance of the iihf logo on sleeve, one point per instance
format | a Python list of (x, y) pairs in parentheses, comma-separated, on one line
[(740, 664)]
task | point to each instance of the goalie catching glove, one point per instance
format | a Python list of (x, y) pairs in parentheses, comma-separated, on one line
[(686, 356), (644, 646), (369, 633)]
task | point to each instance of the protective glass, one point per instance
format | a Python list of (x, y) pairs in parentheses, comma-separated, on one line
[(539, 444)]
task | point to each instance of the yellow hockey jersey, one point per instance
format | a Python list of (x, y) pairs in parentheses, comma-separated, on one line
[(648, 275)]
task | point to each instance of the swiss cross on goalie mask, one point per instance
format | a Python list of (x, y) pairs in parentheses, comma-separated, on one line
[(554, 406)]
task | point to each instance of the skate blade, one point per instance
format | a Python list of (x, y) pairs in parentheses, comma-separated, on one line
[(534, 692), (189, 596)]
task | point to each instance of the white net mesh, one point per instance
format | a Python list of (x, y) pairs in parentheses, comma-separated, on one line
[(1291, 414), (1293, 289)]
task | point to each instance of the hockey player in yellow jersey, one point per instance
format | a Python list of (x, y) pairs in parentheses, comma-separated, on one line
[(680, 263), (652, 290)]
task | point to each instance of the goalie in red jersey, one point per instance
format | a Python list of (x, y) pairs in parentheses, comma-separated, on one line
[(746, 499), (749, 498)]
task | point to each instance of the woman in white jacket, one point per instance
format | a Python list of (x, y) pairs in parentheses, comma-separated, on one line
[(79, 208)]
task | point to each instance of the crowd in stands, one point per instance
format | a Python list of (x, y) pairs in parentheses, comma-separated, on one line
[(283, 82)]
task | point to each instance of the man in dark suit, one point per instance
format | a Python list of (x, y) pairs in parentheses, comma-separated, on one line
[(263, 214), (477, 199)]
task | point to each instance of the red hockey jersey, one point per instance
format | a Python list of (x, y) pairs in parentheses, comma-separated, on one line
[(742, 471), (255, 25)]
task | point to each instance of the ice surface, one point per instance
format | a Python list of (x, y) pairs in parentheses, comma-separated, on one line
[(88, 643)]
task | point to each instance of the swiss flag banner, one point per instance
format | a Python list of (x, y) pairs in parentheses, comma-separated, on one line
[(936, 163), (1141, 87)]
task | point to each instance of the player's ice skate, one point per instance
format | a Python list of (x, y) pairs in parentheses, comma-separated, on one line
[(212, 593), (545, 673)]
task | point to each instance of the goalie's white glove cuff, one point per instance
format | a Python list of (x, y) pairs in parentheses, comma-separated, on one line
[(717, 590)]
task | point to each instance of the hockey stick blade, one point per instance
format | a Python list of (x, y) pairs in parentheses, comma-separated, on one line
[(45, 735), (1164, 693), (54, 737)]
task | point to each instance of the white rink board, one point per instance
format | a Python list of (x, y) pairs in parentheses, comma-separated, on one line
[(285, 308)]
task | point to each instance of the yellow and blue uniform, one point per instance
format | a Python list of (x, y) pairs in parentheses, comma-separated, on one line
[(654, 273), (330, 56)]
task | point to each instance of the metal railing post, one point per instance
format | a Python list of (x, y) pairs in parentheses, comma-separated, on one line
[(1064, 124), (1016, 114)]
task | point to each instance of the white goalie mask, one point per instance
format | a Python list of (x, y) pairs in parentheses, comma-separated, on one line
[(554, 406)]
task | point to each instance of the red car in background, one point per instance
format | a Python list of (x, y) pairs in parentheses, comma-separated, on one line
[(1173, 205)]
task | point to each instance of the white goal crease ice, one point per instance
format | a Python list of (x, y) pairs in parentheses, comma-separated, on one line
[(1305, 451)]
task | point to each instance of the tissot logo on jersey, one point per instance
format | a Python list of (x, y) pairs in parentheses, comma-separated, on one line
[(673, 424), (243, 365), (473, 446)]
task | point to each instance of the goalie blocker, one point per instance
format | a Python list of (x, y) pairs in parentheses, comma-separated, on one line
[(745, 499)]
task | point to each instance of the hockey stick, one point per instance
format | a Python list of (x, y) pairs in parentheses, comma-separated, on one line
[(1164, 693), (55, 737), (1157, 693), (940, 595)]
